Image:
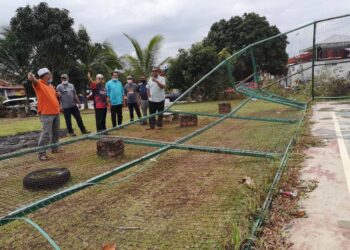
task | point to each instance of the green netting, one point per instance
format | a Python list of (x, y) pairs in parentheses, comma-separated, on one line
[(189, 201)]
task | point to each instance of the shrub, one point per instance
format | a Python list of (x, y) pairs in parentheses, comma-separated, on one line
[(326, 85)]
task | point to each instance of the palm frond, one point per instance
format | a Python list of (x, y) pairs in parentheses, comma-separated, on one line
[(138, 50), (152, 51)]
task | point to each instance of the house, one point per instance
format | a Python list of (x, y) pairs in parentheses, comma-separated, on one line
[(10, 91), (332, 58)]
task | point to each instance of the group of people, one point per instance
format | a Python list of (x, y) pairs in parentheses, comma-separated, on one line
[(147, 95), (51, 101)]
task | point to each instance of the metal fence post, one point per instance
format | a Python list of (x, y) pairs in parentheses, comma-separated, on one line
[(229, 66), (256, 78), (313, 63)]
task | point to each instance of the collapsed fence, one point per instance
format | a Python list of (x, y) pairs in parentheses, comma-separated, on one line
[(267, 109)]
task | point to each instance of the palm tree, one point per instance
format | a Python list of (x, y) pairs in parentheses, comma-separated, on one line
[(145, 58), (14, 60), (97, 57)]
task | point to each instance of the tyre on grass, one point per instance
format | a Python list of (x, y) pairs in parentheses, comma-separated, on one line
[(46, 178)]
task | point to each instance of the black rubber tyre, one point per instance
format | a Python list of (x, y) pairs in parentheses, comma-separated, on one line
[(46, 178)]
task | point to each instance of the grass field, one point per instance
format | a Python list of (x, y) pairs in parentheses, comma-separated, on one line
[(180, 199), (12, 126)]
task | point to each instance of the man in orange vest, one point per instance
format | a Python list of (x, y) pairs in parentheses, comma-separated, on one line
[(49, 110)]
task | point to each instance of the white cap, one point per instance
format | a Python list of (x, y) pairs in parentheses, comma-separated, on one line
[(43, 71), (99, 76)]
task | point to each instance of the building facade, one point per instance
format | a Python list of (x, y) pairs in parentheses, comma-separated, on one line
[(332, 59), (10, 91)]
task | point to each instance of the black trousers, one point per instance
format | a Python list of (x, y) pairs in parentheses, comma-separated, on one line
[(131, 107), (117, 110), (100, 116), (153, 108), (68, 118)]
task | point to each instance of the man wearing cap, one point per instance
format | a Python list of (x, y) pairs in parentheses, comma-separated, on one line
[(49, 110), (69, 101), (115, 93), (131, 90), (156, 94)]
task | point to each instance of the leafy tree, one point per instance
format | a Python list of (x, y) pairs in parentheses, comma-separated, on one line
[(14, 61), (238, 32), (145, 58), (47, 34), (41, 36), (191, 65)]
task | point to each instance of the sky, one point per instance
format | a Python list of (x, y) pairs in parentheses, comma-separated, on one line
[(181, 22)]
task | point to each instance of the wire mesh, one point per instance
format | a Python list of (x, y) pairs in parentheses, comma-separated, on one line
[(182, 199), (332, 66), (80, 158)]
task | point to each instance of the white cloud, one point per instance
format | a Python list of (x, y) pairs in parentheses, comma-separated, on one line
[(181, 22)]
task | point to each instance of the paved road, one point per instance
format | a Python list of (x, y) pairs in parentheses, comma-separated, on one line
[(328, 206)]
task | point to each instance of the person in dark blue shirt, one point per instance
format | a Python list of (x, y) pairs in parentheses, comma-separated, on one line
[(143, 97)]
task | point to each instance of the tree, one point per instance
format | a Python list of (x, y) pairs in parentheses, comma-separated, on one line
[(238, 32), (41, 36), (145, 58), (14, 61), (47, 34), (191, 65)]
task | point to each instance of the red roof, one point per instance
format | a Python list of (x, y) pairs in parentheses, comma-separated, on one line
[(305, 57), (6, 85)]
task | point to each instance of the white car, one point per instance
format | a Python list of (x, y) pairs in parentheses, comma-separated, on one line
[(21, 103)]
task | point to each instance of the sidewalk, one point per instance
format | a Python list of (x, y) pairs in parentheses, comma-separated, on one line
[(328, 206)]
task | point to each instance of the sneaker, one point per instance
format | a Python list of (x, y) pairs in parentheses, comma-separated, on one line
[(149, 128), (85, 132), (72, 134), (43, 157)]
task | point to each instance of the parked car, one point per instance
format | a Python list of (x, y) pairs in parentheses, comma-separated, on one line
[(21, 103), (173, 95)]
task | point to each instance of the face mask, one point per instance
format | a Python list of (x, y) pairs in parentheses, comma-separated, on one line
[(143, 81), (65, 82), (49, 81), (129, 81)]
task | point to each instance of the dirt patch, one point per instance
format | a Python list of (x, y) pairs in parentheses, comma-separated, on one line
[(326, 109), (12, 143)]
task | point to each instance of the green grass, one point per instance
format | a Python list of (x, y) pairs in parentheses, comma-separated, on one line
[(208, 107), (178, 200), (13, 126)]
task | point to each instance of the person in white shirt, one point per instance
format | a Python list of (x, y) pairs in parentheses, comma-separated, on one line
[(156, 98)]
